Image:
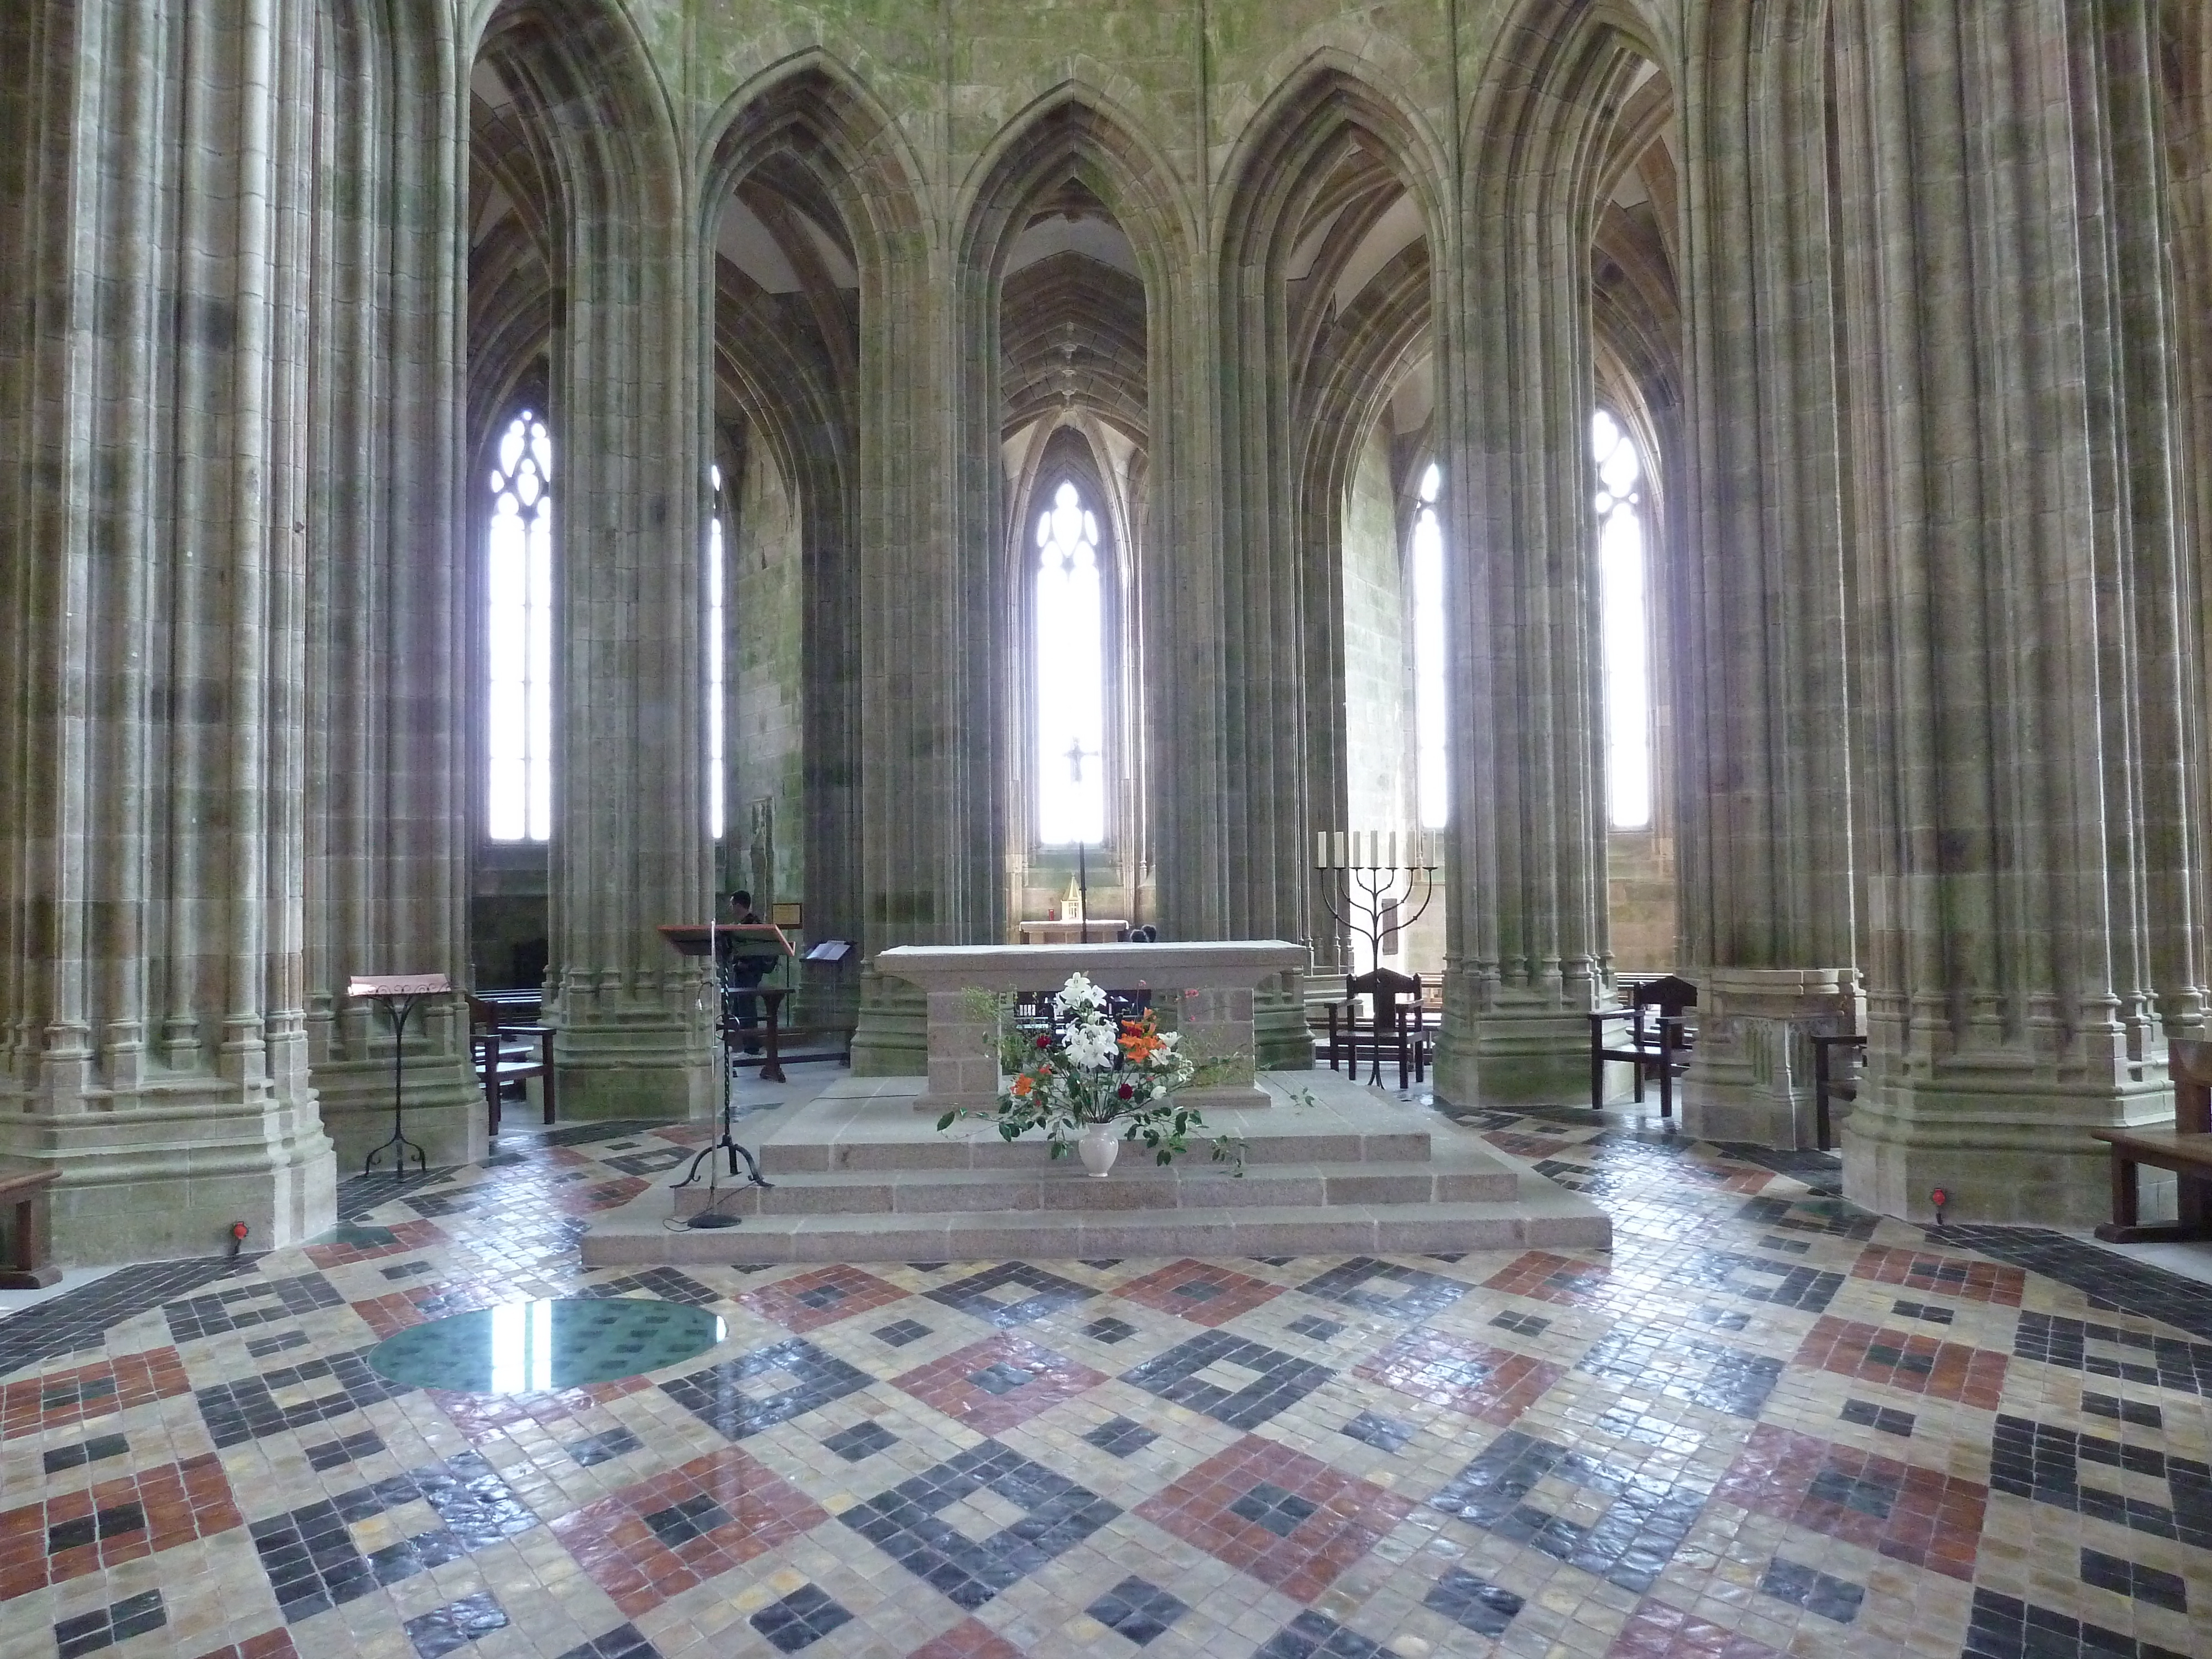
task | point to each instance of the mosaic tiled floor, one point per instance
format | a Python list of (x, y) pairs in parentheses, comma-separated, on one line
[(1767, 1423)]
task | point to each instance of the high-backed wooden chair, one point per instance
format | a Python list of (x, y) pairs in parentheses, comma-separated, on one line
[(509, 1044), (1394, 1024), (1655, 1040)]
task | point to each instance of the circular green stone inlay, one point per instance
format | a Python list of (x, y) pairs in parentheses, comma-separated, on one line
[(529, 1347)]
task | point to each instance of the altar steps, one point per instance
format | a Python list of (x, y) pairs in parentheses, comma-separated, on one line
[(1329, 1169)]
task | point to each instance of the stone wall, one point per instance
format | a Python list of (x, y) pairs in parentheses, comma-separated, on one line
[(765, 689)]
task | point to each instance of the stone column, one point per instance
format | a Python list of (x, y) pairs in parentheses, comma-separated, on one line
[(156, 187), (629, 848), (1756, 583), (927, 736), (1752, 1071), (2032, 932), (386, 854), (1525, 951)]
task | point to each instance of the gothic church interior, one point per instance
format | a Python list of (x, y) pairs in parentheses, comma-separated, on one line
[(1713, 489)]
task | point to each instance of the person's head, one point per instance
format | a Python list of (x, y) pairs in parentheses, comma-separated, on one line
[(742, 899)]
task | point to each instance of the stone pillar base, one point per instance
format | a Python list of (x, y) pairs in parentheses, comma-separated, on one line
[(890, 1036), (164, 1180), (642, 1049), (1750, 1074), (1512, 1053), (2002, 1152), (444, 1113)]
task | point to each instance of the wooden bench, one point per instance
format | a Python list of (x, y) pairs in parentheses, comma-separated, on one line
[(503, 1026), (31, 1236), (2184, 1147)]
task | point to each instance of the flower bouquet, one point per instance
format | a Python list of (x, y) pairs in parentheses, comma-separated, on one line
[(1105, 1082)]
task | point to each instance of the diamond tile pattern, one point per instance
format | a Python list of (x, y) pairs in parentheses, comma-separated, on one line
[(908, 1523), (1767, 1423), (1230, 1378), (1289, 1521)]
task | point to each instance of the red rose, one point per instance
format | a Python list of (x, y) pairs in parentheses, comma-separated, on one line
[(1126, 1091), (1044, 1042)]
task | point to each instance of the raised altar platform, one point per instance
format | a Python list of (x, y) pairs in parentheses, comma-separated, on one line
[(1334, 1169)]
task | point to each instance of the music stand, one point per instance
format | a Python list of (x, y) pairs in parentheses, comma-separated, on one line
[(698, 939), (398, 994), (834, 951)]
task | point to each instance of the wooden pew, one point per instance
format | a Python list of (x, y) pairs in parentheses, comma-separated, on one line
[(32, 1232), (2185, 1148)]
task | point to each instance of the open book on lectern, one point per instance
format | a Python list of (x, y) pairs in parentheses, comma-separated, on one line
[(737, 939)]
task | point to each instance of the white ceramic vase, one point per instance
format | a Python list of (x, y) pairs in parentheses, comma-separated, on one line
[(1101, 1143)]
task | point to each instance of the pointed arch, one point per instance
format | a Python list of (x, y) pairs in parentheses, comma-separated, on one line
[(1075, 126), (1314, 335), (629, 846), (1327, 94), (1075, 135), (814, 155), (812, 109)]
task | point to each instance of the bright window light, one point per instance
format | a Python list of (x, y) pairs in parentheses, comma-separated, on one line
[(715, 800), (1627, 650), (1431, 704), (1070, 677), (518, 645)]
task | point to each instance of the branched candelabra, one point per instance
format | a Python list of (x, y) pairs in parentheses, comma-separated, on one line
[(1364, 880)]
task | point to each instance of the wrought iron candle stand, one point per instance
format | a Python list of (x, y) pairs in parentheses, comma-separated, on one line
[(700, 941), (398, 995), (1361, 868)]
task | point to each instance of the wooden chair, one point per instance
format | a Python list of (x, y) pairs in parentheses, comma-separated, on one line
[(28, 1264), (503, 1030), (1396, 1025), (1827, 1087), (2185, 1148), (1657, 1040)]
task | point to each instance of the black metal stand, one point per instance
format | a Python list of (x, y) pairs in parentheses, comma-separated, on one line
[(397, 1010), (725, 1030)]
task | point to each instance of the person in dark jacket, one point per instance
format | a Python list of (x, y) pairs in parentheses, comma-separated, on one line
[(741, 972)]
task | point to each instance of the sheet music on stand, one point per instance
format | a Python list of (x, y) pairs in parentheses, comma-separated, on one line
[(834, 953), (398, 995)]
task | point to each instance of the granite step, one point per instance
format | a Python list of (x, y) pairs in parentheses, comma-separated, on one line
[(1039, 1182), (1539, 1215), (1330, 1168), (869, 1124)]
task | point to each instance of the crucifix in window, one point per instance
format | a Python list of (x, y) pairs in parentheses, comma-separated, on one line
[(1076, 751), (1069, 646)]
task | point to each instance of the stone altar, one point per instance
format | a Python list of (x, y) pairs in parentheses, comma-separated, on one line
[(1210, 986)]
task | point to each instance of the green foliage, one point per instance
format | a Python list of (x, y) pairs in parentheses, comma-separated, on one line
[(1093, 1073)]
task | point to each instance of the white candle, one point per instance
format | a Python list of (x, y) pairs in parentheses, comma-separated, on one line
[(1394, 850), (1321, 849)]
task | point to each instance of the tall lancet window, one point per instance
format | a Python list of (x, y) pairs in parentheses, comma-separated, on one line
[(518, 642), (1432, 709), (1071, 674), (1621, 579), (716, 802)]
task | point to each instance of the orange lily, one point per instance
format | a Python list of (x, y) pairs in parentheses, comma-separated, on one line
[(1139, 1040)]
